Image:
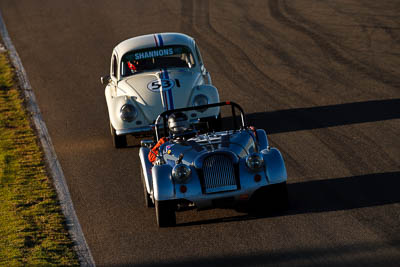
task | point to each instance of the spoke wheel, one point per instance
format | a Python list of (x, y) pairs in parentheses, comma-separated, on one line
[(273, 198), (148, 202), (119, 141)]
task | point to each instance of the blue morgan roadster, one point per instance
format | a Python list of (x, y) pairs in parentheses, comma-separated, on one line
[(190, 165)]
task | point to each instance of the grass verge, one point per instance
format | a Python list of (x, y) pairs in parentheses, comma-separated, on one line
[(32, 226)]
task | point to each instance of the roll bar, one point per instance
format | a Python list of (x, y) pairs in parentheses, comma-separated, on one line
[(166, 114)]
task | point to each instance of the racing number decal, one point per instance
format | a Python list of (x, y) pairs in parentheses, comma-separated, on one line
[(166, 84)]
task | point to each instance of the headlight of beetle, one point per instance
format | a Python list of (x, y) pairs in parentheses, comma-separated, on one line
[(128, 113), (181, 173), (200, 100), (255, 161)]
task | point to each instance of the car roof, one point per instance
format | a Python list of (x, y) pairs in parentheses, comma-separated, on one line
[(149, 40)]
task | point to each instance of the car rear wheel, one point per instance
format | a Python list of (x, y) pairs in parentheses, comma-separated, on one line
[(119, 141), (165, 213), (281, 197), (148, 202)]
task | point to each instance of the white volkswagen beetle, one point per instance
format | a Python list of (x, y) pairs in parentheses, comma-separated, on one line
[(153, 73)]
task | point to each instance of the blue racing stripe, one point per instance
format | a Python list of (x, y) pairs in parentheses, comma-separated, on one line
[(169, 91), (164, 75), (164, 97), (166, 100), (160, 39)]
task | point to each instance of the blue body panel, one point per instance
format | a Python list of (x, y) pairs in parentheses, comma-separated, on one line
[(235, 145)]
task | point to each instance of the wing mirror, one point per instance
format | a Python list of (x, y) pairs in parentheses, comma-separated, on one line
[(203, 70), (205, 73), (105, 79)]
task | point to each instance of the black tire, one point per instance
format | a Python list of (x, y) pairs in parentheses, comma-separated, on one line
[(119, 141), (270, 199), (165, 213), (148, 202), (282, 197)]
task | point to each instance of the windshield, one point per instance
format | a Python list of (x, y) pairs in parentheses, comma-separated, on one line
[(175, 56)]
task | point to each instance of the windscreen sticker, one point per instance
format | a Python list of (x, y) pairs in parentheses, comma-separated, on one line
[(168, 148), (154, 53)]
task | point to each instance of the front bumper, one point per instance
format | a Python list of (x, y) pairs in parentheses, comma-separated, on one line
[(267, 196), (145, 130), (220, 200)]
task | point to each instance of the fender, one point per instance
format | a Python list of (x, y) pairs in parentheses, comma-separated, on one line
[(275, 166), (163, 186), (213, 97), (114, 105), (262, 139), (146, 166)]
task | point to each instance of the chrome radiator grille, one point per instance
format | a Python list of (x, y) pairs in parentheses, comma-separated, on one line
[(219, 174)]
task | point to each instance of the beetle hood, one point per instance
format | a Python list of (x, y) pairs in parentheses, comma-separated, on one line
[(156, 92)]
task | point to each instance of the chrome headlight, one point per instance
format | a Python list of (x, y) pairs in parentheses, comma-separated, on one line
[(128, 113), (255, 161), (200, 100), (181, 173)]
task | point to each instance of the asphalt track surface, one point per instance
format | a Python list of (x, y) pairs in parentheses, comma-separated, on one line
[(322, 77)]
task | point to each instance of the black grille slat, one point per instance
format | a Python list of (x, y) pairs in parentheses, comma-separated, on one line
[(219, 174)]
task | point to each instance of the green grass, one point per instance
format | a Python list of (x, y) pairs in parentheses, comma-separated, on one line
[(32, 226)]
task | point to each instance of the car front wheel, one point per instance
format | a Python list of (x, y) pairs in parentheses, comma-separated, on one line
[(148, 203), (165, 213), (119, 141), (272, 198)]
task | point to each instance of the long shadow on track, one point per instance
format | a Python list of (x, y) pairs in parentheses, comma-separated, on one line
[(312, 197), (332, 195), (314, 256), (325, 116)]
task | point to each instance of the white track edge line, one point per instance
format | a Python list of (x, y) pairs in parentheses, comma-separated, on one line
[(73, 225)]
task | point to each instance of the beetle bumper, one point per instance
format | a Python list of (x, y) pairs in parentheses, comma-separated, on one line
[(145, 130)]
